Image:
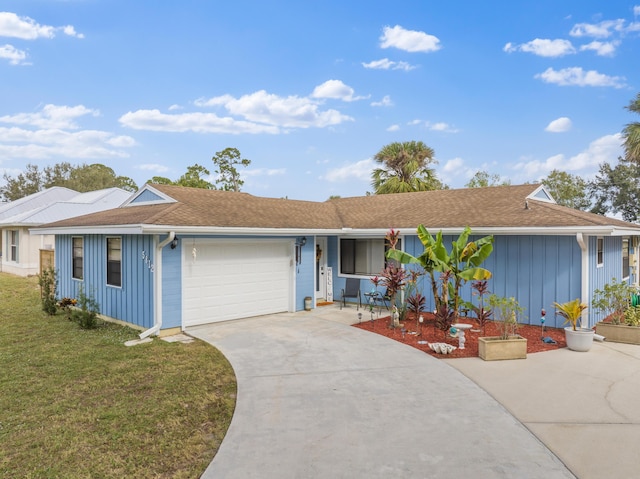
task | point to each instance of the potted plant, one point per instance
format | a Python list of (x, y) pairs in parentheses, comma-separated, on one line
[(578, 338), (509, 345), (621, 324)]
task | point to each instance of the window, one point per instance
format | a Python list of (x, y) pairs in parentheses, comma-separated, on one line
[(600, 251), (625, 258), (114, 261), (77, 258), (363, 257), (13, 245)]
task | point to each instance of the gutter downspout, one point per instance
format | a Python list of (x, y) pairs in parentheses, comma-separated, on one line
[(584, 289), (157, 288)]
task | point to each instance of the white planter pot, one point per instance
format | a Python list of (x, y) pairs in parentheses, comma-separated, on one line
[(579, 340)]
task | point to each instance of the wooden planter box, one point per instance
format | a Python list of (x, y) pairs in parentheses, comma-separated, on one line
[(494, 348), (619, 333)]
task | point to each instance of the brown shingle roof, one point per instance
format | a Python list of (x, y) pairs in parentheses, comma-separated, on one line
[(493, 207)]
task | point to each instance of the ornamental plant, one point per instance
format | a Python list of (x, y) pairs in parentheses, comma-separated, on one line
[(571, 311), (613, 300), (48, 282), (481, 289), (506, 311)]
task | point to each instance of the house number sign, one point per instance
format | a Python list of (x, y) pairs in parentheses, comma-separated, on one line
[(147, 261)]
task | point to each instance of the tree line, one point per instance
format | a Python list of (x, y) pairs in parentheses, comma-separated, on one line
[(83, 177)]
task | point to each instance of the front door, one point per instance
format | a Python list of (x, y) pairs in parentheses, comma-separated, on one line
[(321, 268)]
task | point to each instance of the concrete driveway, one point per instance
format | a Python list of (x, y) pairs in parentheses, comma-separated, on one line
[(320, 399), (583, 406)]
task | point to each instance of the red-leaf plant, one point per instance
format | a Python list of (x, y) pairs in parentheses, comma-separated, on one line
[(482, 315)]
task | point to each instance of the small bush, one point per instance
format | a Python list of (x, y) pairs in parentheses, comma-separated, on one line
[(48, 282), (86, 313), (632, 316)]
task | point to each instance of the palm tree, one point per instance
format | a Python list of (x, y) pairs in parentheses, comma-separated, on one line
[(405, 168), (631, 134)]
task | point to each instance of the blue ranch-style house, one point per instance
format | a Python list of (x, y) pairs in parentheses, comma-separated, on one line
[(172, 257)]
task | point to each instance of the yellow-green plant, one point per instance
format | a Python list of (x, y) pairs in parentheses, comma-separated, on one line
[(571, 311)]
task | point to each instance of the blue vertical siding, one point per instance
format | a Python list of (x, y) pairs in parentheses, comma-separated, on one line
[(305, 279), (601, 275), (536, 270), (133, 301), (171, 285)]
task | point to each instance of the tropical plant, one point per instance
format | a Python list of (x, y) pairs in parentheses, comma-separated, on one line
[(444, 317), (404, 168), (507, 311), (631, 134), (571, 311), (462, 264), (416, 303), (393, 277), (483, 316), (48, 282), (613, 299)]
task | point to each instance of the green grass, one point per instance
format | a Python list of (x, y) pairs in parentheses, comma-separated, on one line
[(76, 403)]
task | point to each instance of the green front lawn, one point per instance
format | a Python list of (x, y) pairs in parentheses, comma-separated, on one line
[(76, 403)]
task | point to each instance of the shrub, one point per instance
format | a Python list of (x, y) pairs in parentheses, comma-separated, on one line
[(48, 282), (86, 314), (506, 312), (632, 316), (613, 299)]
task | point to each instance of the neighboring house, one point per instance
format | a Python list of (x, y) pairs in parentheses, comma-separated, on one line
[(174, 257), (20, 249)]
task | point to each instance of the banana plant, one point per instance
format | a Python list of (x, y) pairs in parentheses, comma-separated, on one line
[(462, 264)]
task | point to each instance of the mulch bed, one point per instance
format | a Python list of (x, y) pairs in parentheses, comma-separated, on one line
[(429, 333)]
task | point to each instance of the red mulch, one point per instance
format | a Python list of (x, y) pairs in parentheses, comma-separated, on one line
[(431, 334)]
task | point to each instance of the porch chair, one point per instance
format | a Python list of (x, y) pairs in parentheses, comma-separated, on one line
[(381, 299), (351, 290)]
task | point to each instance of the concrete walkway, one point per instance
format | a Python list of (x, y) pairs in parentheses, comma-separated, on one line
[(320, 399), (583, 406)]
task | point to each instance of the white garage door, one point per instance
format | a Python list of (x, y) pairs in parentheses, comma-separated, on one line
[(235, 279)]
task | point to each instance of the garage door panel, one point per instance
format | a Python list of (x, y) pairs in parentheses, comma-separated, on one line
[(235, 280)]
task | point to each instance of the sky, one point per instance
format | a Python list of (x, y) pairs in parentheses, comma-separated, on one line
[(311, 91)]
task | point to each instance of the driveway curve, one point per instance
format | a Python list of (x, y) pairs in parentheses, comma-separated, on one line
[(320, 399)]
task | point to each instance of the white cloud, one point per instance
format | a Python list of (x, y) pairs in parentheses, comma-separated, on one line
[(153, 120), (576, 76), (408, 40), (265, 108), (393, 128), (386, 101), (603, 49), (156, 168), (453, 166), (543, 47), (359, 171), (51, 116), (441, 126), (603, 29), (335, 89), (175, 107), (386, 64), (636, 10), (559, 125), (50, 143), (25, 28), (15, 56), (605, 149), (265, 172)]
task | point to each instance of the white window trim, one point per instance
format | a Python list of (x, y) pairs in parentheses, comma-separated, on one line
[(360, 276), (73, 269), (598, 263), (627, 272), (106, 262)]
